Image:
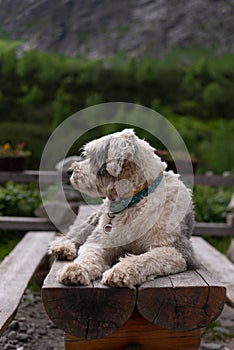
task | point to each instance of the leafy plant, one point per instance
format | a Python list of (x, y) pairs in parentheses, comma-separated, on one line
[(19, 199), (211, 203), (190, 87)]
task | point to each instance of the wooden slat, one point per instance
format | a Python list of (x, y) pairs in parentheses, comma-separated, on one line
[(133, 347), (86, 210), (27, 176), (230, 207), (213, 229), (183, 301), (180, 302), (25, 223), (16, 271), (214, 180), (52, 176), (21, 223), (217, 264), (89, 312), (35, 223), (141, 334)]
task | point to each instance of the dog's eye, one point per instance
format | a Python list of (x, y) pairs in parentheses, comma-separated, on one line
[(83, 154)]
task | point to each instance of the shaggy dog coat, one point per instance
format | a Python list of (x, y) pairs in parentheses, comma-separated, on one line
[(141, 241)]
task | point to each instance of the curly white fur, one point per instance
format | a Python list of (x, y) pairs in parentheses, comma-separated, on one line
[(150, 238)]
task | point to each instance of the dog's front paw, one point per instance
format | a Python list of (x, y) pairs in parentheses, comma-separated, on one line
[(63, 250), (73, 274), (118, 277)]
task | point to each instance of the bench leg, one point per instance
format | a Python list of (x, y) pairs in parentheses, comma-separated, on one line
[(133, 347), (138, 334), (161, 340)]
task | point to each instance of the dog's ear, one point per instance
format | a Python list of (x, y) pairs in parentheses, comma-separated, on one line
[(121, 147)]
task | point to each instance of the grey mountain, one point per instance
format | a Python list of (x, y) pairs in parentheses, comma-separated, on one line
[(99, 28)]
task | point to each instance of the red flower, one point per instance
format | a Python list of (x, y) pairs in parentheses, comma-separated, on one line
[(21, 145)]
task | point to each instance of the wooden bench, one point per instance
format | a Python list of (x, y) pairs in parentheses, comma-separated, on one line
[(218, 264), (16, 271), (166, 313)]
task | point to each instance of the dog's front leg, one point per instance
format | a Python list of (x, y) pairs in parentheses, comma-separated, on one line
[(91, 262), (136, 269), (65, 247)]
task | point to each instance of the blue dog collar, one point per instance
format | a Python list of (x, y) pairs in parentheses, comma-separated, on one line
[(122, 204)]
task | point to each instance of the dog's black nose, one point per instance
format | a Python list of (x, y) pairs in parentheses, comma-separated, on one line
[(70, 172)]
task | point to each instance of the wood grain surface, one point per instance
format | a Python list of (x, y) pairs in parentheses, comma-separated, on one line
[(138, 333), (181, 302), (16, 271)]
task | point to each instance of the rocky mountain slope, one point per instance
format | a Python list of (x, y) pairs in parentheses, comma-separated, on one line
[(99, 28)]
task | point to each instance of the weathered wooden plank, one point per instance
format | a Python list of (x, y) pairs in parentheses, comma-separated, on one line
[(206, 229), (27, 176), (52, 176), (214, 180), (181, 301), (86, 210), (35, 223), (89, 312), (213, 229), (217, 264), (135, 331), (17, 269), (25, 223), (230, 207), (133, 347), (230, 252)]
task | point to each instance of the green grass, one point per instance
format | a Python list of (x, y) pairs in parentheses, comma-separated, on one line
[(34, 285), (8, 241), (7, 44), (211, 332), (220, 243)]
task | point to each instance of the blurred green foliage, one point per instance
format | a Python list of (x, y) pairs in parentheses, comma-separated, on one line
[(8, 240), (220, 243), (192, 88), (6, 44), (19, 199), (211, 203)]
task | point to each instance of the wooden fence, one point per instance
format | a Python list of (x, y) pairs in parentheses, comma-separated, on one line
[(51, 177)]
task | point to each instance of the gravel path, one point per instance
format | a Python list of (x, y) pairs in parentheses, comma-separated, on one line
[(220, 335), (32, 329)]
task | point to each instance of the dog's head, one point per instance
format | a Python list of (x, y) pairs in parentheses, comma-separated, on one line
[(115, 165)]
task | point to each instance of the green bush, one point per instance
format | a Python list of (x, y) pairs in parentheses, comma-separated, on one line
[(19, 199), (211, 142), (192, 88), (198, 85), (211, 203)]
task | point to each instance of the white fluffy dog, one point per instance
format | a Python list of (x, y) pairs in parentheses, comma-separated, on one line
[(141, 231)]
